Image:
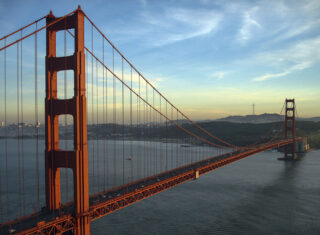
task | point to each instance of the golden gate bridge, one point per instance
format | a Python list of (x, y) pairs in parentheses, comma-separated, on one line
[(110, 137)]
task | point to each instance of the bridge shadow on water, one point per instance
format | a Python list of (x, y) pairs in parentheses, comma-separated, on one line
[(274, 209)]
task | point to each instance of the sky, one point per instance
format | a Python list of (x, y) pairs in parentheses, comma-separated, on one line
[(209, 58)]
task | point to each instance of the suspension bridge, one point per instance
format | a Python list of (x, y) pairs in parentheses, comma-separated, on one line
[(109, 138)]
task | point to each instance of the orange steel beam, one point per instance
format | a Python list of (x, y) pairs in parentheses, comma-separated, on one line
[(55, 158), (68, 222)]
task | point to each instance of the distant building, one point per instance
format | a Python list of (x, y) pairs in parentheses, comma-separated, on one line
[(21, 124), (2, 123), (37, 124)]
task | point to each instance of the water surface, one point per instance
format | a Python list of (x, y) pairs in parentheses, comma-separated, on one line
[(257, 195)]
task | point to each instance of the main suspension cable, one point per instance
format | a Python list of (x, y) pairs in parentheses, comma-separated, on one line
[(24, 27), (38, 30)]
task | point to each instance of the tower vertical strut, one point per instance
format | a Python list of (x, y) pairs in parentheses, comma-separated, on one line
[(55, 158)]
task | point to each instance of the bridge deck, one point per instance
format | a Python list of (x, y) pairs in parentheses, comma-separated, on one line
[(117, 198)]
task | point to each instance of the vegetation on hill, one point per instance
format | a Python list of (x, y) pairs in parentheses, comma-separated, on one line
[(246, 133)]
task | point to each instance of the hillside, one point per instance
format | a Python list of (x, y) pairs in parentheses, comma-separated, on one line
[(262, 118)]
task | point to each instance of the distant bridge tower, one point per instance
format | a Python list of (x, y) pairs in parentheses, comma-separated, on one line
[(290, 129), (55, 158), (253, 109)]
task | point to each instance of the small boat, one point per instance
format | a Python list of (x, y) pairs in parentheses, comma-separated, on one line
[(185, 145), (129, 158), (11, 231)]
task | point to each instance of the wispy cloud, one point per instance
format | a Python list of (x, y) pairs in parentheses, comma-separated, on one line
[(270, 75), (219, 74), (311, 6), (295, 20), (297, 67), (297, 57), (276, 20), (249, 25), (176, 24)]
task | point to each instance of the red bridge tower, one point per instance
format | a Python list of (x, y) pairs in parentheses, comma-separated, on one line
[(290, 129), (55, 158)]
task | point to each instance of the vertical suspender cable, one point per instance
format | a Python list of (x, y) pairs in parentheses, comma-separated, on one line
[(159, 140), (123, 173), (114, 123), (154, 131), (18, 127), (177, 143), (5, 127), (139, 129), (131, 129), (139, 132), (87, 100), (97, 126), (22, 126), (148, 136), (104, 119), (151, 150), (186, 149), (160, 144), (36, 115), (148, 131), (157, 117), (203, 151), (107, 149), (144, 140), (137, 136), (92, 110), (171, 146), (183, 150), (197, 150), (185, 139), (87, 80), (190, 153), (150, 139), (166, 136)]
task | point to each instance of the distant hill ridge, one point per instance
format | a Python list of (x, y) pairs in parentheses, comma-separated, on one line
[(262, 118)]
